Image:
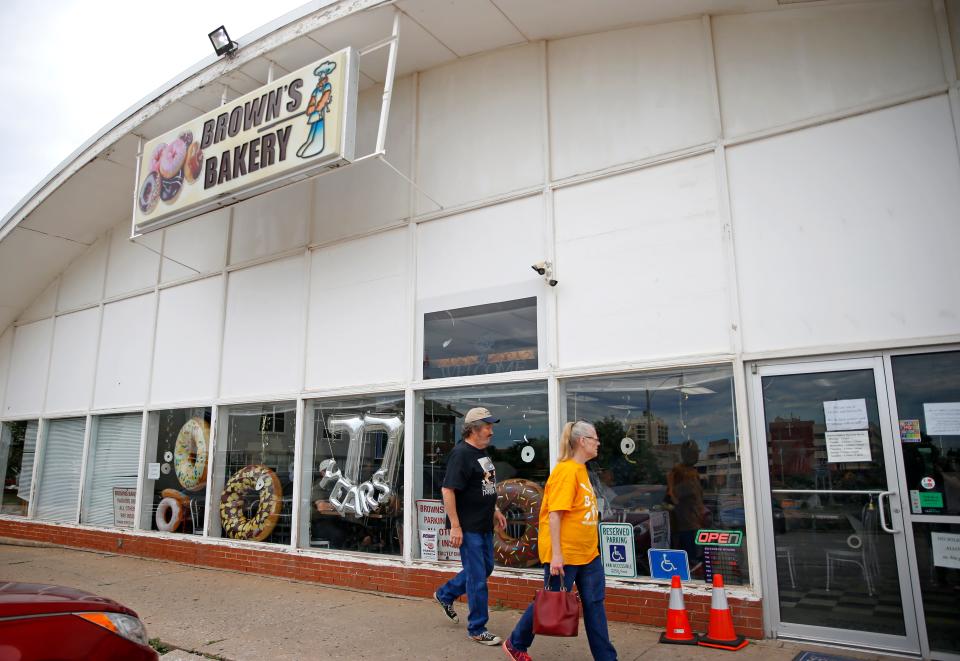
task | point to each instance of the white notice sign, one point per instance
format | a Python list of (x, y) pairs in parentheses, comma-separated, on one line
[(946, 550), (124, 506), (845, 414), (153, 471), (942, 419), (617, 550), (845, 446), (431, 517)]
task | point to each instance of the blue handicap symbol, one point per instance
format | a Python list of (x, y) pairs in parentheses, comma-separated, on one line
[(618, 553)]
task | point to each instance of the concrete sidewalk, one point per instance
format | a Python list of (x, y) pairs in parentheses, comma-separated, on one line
[(235, 616)]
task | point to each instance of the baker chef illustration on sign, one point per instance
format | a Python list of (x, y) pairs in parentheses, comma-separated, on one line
[(317, 108)]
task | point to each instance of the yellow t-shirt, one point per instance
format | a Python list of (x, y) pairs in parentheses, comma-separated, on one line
[(569, 491)]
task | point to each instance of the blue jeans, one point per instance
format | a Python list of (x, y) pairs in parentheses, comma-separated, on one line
[(476, 554), (591, 583)]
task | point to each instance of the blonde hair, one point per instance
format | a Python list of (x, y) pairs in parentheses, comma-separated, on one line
[(573, 432)]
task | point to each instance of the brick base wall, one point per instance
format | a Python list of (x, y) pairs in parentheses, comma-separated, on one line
[(645, 605)]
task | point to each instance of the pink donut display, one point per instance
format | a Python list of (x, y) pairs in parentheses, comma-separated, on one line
[(171, 158), (155, 157)]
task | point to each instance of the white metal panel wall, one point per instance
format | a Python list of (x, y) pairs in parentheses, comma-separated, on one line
[(263, 340), (73, 361), (26, 460), (480, 126), (113, 463), (125, 342), (6, 345), (847, 232), (82, 282), (43, 306), (362, 197), (187, 348), (778, 67), (626, 95), (28, 368), (271, 223), (59, 478), (641, 266), (196, 246), (358, 303), (133, 265)]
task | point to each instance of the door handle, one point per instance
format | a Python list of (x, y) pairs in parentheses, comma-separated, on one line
[(883, 517)]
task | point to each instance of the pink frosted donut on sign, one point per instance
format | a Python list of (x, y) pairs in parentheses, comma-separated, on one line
[(155, 157), (171, 159)]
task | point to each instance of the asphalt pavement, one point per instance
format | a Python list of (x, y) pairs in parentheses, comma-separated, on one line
[(213, 613)]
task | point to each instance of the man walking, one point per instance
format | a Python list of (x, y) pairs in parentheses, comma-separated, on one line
[(470, 499)]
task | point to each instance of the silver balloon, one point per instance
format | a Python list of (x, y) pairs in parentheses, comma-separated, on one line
[(331, 473), (387, 474), (339, 494), (367, 492), (352, 427)]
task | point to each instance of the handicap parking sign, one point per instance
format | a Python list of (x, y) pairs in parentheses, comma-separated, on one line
[(617, 550), (667, 563)]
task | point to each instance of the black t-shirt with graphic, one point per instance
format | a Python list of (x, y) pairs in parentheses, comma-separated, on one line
[(470, 473)]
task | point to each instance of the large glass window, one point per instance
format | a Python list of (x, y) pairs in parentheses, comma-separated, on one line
[(110, 495), (254, 472), (58, 488), (353, 474), (18, 443), (177, 456), (668, 461), (480, 339), (519, 450)]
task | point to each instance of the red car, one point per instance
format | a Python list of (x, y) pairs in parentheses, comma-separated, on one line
[(54, 622)]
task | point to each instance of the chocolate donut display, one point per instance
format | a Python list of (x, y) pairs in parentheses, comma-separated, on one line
[(190, 454), (519, 500), (251, 503), (149, 193), (170, 188)]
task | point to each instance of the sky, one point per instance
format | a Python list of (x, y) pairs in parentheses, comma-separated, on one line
[(71, 66)]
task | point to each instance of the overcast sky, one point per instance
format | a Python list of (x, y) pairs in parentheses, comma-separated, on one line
[(71, 66)]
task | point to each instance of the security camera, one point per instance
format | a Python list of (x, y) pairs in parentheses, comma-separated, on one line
[(541, 267), (552, 282)]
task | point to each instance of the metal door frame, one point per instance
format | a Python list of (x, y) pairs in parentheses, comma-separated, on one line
[(910, 642), (908, 516)]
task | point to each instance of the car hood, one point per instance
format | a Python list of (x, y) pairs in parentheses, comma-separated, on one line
[(18, 599)]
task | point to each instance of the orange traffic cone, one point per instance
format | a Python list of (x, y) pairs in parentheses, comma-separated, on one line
[(720, 633), (678, 625)]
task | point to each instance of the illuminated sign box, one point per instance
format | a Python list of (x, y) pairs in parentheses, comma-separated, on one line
[(719, 537), (286, 131)]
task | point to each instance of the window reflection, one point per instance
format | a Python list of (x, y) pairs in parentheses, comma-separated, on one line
[(178, 445), (668, 460), (520, 454), (18, 442)]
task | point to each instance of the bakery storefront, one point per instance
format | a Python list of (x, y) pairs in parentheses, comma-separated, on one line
[(730, 251)]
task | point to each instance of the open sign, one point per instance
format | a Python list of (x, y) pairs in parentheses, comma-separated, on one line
[(719, 537)]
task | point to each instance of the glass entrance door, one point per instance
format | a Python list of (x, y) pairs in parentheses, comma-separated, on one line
[(926, 412), (834, 543)]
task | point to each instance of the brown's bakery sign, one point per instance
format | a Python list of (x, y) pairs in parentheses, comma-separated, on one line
[(292, 128)]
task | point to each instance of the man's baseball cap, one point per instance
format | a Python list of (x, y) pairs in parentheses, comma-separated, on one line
[(479, 415)]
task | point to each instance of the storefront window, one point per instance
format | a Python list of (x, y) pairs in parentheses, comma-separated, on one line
[(668, 461), (177, 456), (18, 442), (58, 487), (353, 474), (519, 450), (110, 495), (480, 339), (254, 472)]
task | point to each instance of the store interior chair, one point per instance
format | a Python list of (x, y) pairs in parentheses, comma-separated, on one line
[(863, 556), (786, 553)]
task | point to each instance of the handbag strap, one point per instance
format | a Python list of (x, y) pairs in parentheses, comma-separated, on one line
[(563, 588)]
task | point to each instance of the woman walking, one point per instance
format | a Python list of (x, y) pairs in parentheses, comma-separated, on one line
[(568, 543)]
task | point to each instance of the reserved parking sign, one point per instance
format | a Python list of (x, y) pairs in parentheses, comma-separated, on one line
[(617, 550)]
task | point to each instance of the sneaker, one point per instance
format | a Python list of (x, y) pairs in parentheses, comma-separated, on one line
[(487, 638), (514, 653), (447, 609)]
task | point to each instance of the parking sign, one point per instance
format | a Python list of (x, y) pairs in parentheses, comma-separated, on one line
[(666, 563), (617, 550)]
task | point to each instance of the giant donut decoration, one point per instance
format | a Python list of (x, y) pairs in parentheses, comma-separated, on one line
[(190, 454), (171, 509), (521, 496), (251, 482)]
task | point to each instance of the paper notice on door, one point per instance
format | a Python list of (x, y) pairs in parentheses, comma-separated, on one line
[(942, 419), (846, 414), (848, 446), (946, 549)]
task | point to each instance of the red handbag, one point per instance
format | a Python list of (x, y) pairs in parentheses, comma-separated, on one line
[(556, 613)]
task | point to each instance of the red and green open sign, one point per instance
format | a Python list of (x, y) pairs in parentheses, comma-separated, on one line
[(719, 537)]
